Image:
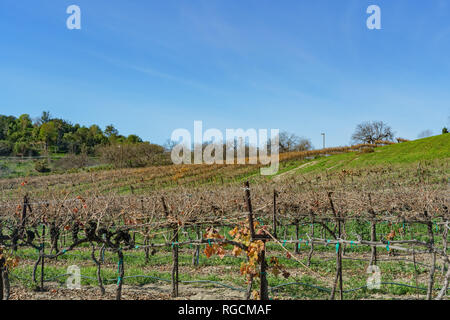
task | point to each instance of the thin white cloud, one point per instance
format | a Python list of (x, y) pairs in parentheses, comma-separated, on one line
[(151, 72)]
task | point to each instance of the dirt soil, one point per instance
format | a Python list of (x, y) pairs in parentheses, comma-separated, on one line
[(54, 291)]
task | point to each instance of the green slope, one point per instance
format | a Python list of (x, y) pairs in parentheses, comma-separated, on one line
[(435, 148)]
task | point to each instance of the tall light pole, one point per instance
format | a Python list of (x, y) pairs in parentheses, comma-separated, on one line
[(323, 134)]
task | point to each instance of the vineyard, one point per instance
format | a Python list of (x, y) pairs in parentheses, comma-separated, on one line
[(187, 231)]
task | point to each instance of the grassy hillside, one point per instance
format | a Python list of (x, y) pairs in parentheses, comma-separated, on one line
[(434, 152), (435, 149)]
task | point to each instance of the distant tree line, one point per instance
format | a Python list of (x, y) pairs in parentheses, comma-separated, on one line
[(24, 137)]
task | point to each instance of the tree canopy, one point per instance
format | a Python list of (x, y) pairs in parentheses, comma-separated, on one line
[(24, 137), (369, 132)]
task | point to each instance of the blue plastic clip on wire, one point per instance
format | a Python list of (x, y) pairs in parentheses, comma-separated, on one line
[(387, 247), (337, 247), (118, 270), (284, 243), (299, 244)]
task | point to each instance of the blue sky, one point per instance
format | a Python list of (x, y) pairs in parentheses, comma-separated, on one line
[(307, 67)]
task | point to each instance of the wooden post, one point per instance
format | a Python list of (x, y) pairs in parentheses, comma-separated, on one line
[(146, 240), (373, 234), (338, 278), (196, 256), (311, 250), (54, 236), (264, 292), (174, 253), (121, 271), (433, 260), (249, 209), (415, 272), (42, 252), (445, 244), (341, 282), (338, 253), (18, 232), (24, 214), (297, 235), (274, 222), (175, 262)]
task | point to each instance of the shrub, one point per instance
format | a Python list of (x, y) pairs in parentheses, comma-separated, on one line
[(73, 161), (366, 150), (444, 130), (133, 155), (41, 166)]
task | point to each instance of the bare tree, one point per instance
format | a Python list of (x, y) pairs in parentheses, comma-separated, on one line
[(369, 132), (169, 145), (292, 142)]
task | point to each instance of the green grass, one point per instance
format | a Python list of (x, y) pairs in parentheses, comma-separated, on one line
[(135, 268), (324, 264), (15, 168), (430, 149)]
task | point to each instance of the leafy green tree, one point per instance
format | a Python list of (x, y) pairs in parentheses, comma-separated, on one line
[(5, 123), (24, 123), (21, 136), (96, 136), (71, 141), (5, 148), (62, 127), (111, 131), (132, 138), (45, 117), (20, 130), (23, 149), (48, 133)]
